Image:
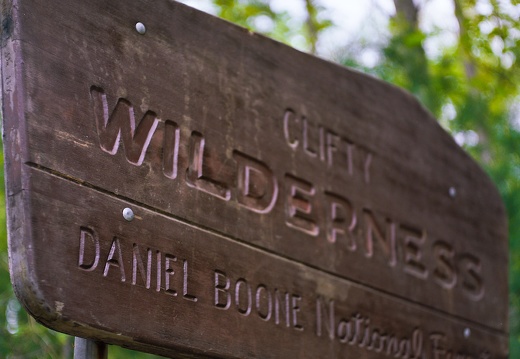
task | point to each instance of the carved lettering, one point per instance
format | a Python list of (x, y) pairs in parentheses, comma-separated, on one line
[(295, 300), (137, 265), (115, 259), (358, 320), (417, 344), (392, 348), (161, 274), (322, 312), (281, 308), (242, 287), (195, 176), (438, 351), (320, 211), (333, 142), (441, 351), (349, 152), (299, 209), (365, 341), (444, 273), (257, 186), (344, 330), (289, 310), (264, 295), (88, 235), (185, 294), (358, 331), (386, 240), (413, 255), (323, 154), (341, 220), (288, 119), (222, 289), (470, 277), (158, 255), (366, 167), (308, 139), (284, 307), (171, 140), (316, 141), (169, 272), (120, 125)]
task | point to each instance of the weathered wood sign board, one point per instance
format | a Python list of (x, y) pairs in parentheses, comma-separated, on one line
[(283, 206)]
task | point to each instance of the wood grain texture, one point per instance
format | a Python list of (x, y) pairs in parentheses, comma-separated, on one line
[(328, 179), (188, 291)]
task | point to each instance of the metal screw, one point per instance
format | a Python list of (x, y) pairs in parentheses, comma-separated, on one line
[(467, 333), (140, 28), (452, 192), (128, 214)]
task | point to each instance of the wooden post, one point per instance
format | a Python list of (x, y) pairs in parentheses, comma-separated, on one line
[(89, 349)]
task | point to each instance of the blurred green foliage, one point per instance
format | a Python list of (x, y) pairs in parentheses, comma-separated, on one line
[(471, 85)]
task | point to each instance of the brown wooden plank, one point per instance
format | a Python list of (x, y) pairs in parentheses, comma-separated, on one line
[(252, 141), (180, 288)]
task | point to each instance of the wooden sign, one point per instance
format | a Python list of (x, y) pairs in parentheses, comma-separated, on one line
[(185, 186)]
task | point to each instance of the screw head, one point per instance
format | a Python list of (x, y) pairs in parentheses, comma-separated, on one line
[(453, 192), (140, 28), (128, 214), (467, 332)]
